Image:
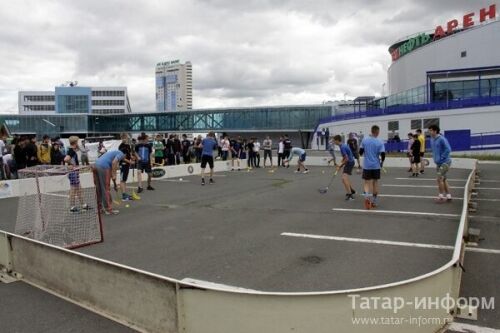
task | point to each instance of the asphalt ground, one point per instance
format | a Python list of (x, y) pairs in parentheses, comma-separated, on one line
[(232, 232)]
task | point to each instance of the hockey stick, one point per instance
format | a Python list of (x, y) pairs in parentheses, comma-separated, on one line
[(324, 190)]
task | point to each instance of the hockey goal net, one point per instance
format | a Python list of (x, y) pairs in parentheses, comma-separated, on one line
[(58, 205)]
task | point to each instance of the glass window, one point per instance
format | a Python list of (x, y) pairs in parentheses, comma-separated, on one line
[(430, 121), (416, 124)]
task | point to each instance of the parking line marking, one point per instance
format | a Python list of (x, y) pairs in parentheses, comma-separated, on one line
[(396, 212), (370, 241), (430, 179), (488, 188), (422, 186), (413, 196), (386, 242)]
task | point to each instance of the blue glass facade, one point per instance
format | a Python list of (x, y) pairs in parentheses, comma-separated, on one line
[(73, 100)]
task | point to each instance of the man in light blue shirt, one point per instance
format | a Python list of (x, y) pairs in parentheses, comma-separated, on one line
[(373, 150), (208, 146), (106, 167), (441, 151), (301, 153)]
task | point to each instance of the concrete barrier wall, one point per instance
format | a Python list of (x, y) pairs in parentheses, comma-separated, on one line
[(134, 298)]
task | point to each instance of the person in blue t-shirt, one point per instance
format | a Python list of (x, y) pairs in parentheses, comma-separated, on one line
[(373, 150), (441, 151), (106, 167), (143, 154), (347, 164), (207, 156)]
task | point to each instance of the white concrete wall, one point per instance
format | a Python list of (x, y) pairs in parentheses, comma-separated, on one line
[(480, 42)]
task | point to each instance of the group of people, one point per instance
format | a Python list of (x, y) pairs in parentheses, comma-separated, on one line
[(416, 152), (24, 151), (373, 151), (143, 154)]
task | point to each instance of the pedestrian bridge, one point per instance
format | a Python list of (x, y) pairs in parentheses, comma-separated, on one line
[(302, 118)]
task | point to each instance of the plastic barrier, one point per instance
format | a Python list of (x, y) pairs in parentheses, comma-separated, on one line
[(152, 303)]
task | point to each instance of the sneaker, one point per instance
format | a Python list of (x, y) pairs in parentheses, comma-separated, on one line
[(126, 198), (448, 197), (306, 171), (368, 203), (421, 171), (353, 192), (74, 209), (140, 189), (296, 171), (211, 181), (150, 188), (348, 197), (440, 199), (202, 181), (111, 212)]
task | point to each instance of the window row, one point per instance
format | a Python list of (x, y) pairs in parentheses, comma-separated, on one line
[(108, 102), (39, 98), (108, 93), (39, 108)]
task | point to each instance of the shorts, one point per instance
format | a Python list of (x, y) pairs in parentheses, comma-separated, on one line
[(415, 159), (74, 178), (268, 153), (207, 159), (356, 155), (371, 174), (235, 154), (158, 159), (144, 166), (124, 170), (442, 170), (348, 168), (302, 157)]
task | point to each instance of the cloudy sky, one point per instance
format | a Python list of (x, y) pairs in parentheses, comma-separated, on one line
[(251, 52)]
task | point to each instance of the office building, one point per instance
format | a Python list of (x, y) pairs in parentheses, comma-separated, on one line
[(174, 86)]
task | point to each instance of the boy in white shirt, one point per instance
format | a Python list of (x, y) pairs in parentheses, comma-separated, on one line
[(256, 149)]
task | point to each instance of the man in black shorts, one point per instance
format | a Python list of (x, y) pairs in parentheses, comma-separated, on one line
[(374, 152), (144, 152), (207, 156), (125, 166), (347, 164)]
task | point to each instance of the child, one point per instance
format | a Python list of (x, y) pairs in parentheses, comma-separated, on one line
[(125, 166), (75, 190), (415, 156), (348, 164)]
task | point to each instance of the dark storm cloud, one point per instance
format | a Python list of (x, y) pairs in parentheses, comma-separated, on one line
[(253, 52)]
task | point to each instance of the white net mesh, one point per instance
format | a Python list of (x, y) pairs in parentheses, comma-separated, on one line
[(58, 205)]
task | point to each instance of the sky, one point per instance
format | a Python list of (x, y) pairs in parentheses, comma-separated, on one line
[(244, 53)]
